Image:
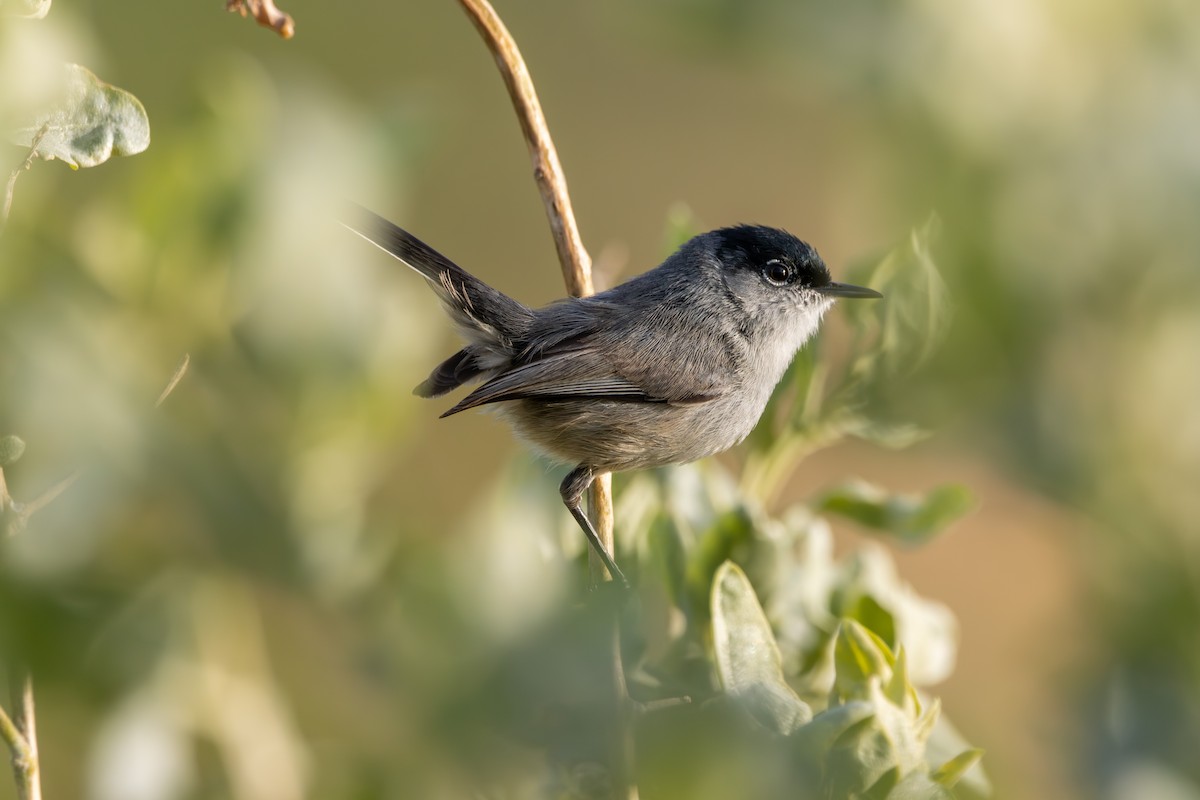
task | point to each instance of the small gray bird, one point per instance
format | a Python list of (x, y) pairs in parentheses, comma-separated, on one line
[(671, 366)]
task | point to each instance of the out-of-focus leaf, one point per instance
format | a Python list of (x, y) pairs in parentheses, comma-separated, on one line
[(748, 660), (90, 122), (858, 758), (859, 655), (893, 739), (817, 738), (731, 533), (953, 770), (866, 609), (11, 449), (944, 746), (883, 787), (894, 436), (918, 786), (26, 9), (910, 518), (915, 313), (666, 555)]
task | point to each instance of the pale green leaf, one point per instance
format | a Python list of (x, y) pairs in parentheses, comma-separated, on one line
[(89, 123), (915, 315), (748, 660), (953, 770), (911, 518), (918, 786), (859, 655)]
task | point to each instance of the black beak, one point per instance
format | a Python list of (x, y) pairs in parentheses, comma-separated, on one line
[(846, 290)]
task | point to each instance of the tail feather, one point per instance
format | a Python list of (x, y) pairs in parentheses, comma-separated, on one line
[(450, 374), (485, 315)]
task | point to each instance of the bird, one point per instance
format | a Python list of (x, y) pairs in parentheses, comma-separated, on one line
[(671, 366)]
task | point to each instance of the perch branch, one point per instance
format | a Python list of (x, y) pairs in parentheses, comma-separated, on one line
[(552, 184), (577, 275), (547, 171)]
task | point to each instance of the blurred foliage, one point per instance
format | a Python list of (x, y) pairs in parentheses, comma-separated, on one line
[(238, 599), (88, 123)]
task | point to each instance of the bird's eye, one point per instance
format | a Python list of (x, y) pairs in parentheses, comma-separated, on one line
[(777, 273)]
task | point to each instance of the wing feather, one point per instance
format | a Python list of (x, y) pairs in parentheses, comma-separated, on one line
[(565, 375)]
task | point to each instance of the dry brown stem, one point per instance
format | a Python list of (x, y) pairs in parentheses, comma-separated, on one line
[(267, 15), (577, 275), (552, 184)]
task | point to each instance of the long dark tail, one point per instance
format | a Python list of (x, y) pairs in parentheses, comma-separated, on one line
[(486, 316), (462, 367)]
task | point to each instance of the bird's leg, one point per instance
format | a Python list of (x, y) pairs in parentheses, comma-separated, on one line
[(573, 486)]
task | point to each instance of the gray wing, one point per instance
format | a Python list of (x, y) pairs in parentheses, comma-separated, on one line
[(568, 375), (671, 350), (623, 370)]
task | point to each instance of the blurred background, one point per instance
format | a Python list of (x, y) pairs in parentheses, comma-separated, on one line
[(292, 580)]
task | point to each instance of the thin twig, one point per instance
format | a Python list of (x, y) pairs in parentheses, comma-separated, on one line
[(16, 173), (12, 737), (547, 171), (267, 15), (577, 275), (47, 497), (180, 371), (20, 732), (552, 184)]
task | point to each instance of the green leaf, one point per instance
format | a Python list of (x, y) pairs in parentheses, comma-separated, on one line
[(883, 787), (918, 786), (858, 656), (953, 770), (748, 660), (730, 534), (910, 518), (866, 609), (944, 746), (894, 436), (89, 123), (666, 556), (11, 449), (915, 315)]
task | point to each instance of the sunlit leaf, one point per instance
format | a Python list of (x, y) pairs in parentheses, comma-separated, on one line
[(89, 123), (945, 745), (918, 786), (865, 609), (953, 770), (910, 518), (859, 656), (915, 314), (894, 436), (26, 9), (748, 660)]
